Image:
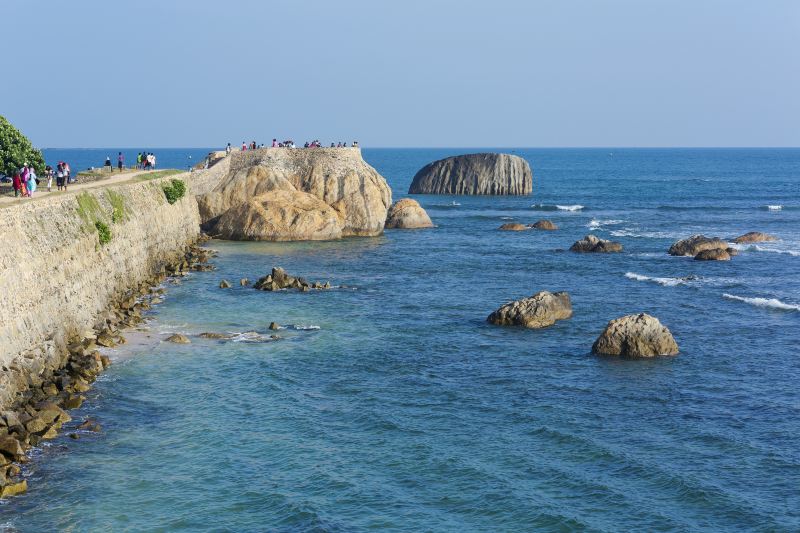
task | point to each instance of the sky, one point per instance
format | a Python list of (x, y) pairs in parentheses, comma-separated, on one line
[(416, 73)]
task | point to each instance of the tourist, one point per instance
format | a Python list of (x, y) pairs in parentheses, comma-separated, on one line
[(59, 176), (244, 146), (67, 175), (274, 143), (107, 164), (120, 161), (48, 171), (16, 182), (355, 144), (138, 160), (228, 149), (33, 181)]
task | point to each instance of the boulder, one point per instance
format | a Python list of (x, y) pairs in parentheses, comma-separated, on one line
[(544, 224), (715, 254), (338, 177), (513, 226), (639, 335), (733, 252), (479, 174), (754, 236), (593, 244), (211, 335), (279, 280), (281, 216), (224, 284), (695, 244), (178, 339), (407, 214), (244, 282), (13, 488), (11, 447), (539, 311)]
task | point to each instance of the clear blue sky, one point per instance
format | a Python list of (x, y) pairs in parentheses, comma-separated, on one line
[(180, 73)]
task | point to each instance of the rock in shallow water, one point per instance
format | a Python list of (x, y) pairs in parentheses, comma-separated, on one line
[(539, 311), (754, 236), (479, 174), (544, 224), (178, 339), (695, 244), (715, 254), (592, 244), (639, 335), (407, 214), (513, 226), (279, 279)]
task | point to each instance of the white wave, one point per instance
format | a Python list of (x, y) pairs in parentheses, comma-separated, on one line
[(772, 303), (569, 207), (794, 253), (774, 207), (251, 336), (303, 327), (631, 232), (666, 282), (506, 218), (597, 224)]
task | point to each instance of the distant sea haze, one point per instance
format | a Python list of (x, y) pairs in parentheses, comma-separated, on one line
[(390, 404)]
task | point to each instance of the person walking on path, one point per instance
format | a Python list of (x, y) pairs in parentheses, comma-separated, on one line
[(120, 161), (16, 182), (48, 171), (32, 179)]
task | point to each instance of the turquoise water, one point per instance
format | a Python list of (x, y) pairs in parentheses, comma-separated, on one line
[(405, 411)]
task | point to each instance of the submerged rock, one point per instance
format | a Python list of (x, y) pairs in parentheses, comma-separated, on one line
[(544, 224), (178, 339), (407, 214), (281, 216), (593, 244), (211, 335), (715, 254), (539, 311), (639, 335), (279, 279), (513, 226), (695, 244), (224, 284), (479, 174), (754, 236)]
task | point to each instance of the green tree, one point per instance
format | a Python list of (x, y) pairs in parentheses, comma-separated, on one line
[(16, 150)]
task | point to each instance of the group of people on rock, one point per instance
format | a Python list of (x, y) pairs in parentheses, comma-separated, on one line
[(288, 144), (25, 182)]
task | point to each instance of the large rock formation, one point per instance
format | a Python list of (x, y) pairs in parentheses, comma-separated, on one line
[(754, 236), (715, 254), (593, 244), (337, 177), (639, 335), (407, 214), (695, 244), (539, 311), (482, 174), (280, 215)]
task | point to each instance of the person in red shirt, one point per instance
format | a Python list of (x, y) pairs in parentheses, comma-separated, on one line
[(16, 182)]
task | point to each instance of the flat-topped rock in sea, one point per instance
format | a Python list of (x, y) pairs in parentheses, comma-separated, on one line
[(754, 236), (593, 244), (407, 214), (639, 335), (695, 244), (539, 311), (714, 254), (337, 177), (475, 174), (513, 226)]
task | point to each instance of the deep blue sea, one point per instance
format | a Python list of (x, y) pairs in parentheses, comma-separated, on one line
[(391, 405)]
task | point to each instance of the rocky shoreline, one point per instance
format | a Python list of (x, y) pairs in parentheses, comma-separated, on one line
[(40, 412)]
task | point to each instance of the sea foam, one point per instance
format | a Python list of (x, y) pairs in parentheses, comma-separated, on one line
[(666, 282), (770, 303)]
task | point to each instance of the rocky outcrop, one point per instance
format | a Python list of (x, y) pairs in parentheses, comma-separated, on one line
[(639, 335), (407, 214), (513, 226), (715, 254), (593, 244), (539, 311), (178, 338), (280, 215), (337, 177), (695, 244), (544, 225), (279, 280), (754, 236), (479, 174)]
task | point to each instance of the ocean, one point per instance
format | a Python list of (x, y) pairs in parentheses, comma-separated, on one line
[(390, 404)]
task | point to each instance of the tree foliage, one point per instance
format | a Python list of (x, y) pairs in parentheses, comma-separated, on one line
[(16, 150)]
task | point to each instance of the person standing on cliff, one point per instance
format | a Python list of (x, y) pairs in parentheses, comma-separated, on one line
[(120, 161), (48, 171), (228, 149)]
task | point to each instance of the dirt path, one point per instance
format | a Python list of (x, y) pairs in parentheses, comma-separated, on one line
[(41, 190)]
